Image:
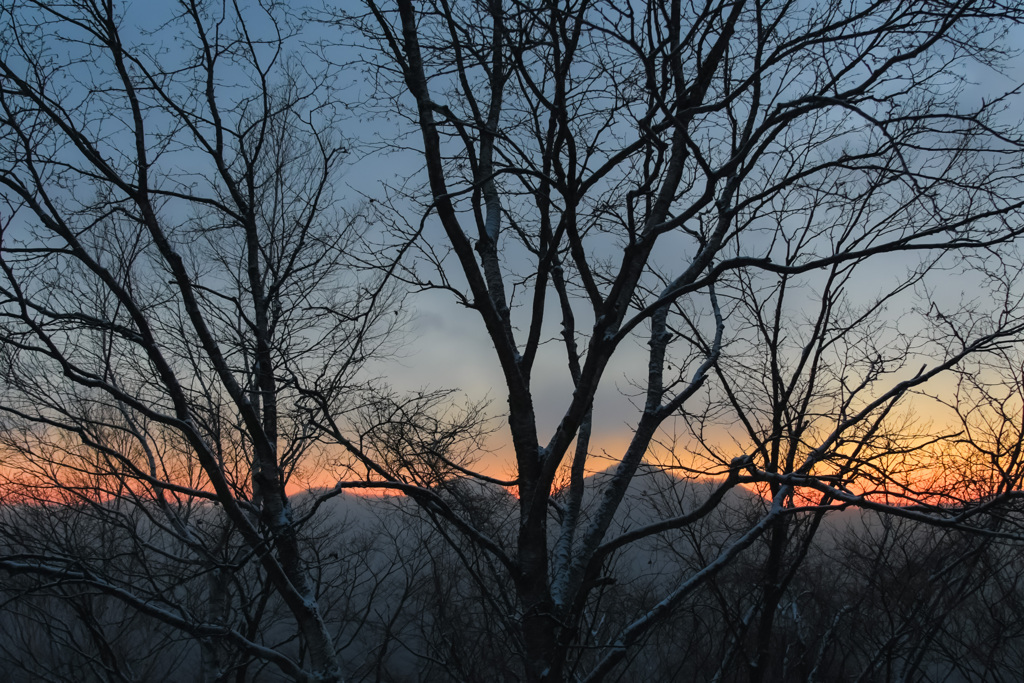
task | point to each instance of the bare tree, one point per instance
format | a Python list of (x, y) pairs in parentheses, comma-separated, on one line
[(174, 289), (757, 192)]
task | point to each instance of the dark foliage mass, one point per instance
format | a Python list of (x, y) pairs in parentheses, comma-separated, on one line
[(876, 599), (737, 299)]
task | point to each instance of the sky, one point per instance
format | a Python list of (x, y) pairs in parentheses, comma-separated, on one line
[(445, 345)]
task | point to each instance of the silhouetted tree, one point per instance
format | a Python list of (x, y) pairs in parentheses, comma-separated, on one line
[(175, 284), (751, 190)]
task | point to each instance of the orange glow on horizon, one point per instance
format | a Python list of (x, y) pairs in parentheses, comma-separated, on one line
[(927, 476)]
